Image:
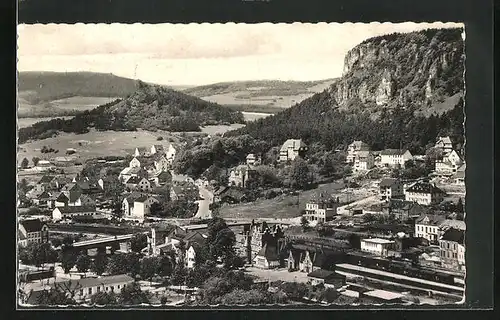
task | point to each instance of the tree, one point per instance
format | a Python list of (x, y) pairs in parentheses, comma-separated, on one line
[(132, 294), (99, 263), (104, 298), (83, 263), (54, 297), (304, 223), (128, 263), (24, 163), (35, 160), (179, 276), (37, 254), (149, 267), (167, 264), (300, 175), (68, 260), (117, 208), (138, 242), (23, 186), (156, 209)]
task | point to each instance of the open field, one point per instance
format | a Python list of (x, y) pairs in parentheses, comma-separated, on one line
[(265, 93), (26, 122), (59, 107), (252, 116), (94, 143), (212, 130)]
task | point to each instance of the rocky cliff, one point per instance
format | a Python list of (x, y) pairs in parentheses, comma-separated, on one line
[(418, 69)]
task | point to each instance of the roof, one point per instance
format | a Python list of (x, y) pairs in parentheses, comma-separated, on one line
[(424, 187), (269, 252), (452, 223), (134, 180), (401, 204), (69, 186), (446, 140), (221, 190), (243, 168), (46, 179), (158, 156), (434, 219), (93, 282), (321, 274), (76, 209), (251, 156), (85, 197), (358, 145), (392, 152), (294, 144), (378, 240), (363, 154), (141, 149), (388, 182), (383, 294), (454, 235), (131, 198), (32, 225)]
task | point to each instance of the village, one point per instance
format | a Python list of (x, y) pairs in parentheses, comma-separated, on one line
[(130, 227)]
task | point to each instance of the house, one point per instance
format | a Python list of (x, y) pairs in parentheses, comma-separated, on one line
[(444, 143), (86, 287), (137, 206), (320, 209), (424, 193), (381, 296), (44, 165), (195, 242), (402, 209), (256, 235), (268, 257), (171, 152), (364, 161), (157, 148), (306, 258), (127, 173), (88, 186), (451, 224), (134, 163), (330, 279), (232, 195), (377, 246), (139, 184), (427, 227), (448, 164), (47, 183), (395, 157), (353, 149), (241, 176), (391, 188), (60, 213), (160, 162), (43, 199), (164, 177), (141, 152), (186, 190), (253, 160), (33, 231), (452, 248), (291, 149), (71, 198), (459, 176)]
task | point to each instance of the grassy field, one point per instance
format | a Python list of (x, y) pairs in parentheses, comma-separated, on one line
[(59, 107), (266, 93), (283, 206), (95, 143), (26, 122), (212, 130)]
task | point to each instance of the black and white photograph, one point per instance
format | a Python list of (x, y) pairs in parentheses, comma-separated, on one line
[(193, 165)]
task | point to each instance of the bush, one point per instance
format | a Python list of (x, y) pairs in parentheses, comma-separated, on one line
[(160, 138)]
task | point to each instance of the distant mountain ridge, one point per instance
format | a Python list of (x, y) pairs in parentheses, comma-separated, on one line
[(43, 86)]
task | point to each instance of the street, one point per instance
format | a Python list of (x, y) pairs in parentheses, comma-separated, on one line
[(204, 211)]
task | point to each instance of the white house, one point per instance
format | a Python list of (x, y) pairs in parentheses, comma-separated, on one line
[(395, 157), (354, 148), (377, 246), (320, 210), (364, 161), (139, 184), (33, 231), (136, 206), (391, 188), (424, 193), (448, 164), (253, 160), (171, 152), (134, 163), (291, 149), (190, 257), (60, 213), (428, 227), (161, 162), (460, 176)]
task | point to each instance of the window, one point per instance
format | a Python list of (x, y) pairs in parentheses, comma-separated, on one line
[(98, 289), (81, 292), (90, 290), (112, 288)]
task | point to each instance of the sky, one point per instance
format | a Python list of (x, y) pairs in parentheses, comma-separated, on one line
[(197, 54)]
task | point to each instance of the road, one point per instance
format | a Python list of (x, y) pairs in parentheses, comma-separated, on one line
[(204, 211)]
